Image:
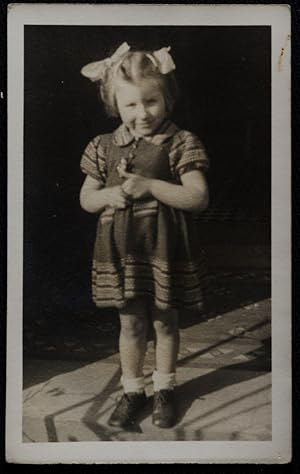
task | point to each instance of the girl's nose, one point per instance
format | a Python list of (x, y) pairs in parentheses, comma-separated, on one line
[(142, 111)]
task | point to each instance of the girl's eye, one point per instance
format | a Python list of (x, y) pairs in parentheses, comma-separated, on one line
[(151, 101), (130, 105)]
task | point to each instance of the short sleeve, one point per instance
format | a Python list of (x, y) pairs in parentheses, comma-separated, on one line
[(93, 161), (187, 154)]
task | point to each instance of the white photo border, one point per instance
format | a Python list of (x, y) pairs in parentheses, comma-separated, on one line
[(279, 449)]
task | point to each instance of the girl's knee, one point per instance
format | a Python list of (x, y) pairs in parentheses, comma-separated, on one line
[(133, 328), (134, 320), (165, 326)]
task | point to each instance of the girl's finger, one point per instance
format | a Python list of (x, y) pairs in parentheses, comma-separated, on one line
[(125, 174), (125, 190)]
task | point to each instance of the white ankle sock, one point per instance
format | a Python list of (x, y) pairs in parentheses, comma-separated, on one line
[(135, 385), (163, 381)]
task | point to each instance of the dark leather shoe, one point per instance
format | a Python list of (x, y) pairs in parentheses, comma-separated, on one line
[(164, 411), (127, 409)]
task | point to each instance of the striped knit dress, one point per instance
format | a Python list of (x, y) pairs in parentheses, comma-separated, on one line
[(147, 250)]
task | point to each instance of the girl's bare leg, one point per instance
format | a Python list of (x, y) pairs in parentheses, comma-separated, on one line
[(167, 339), (133, 339)]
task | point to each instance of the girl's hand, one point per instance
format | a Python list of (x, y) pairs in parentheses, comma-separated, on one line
[(117, 198), (135, 186)]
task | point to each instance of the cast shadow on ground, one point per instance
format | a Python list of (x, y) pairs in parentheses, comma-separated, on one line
[(197, 388)]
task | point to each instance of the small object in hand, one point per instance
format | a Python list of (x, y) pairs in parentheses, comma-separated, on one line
[(122, 166)]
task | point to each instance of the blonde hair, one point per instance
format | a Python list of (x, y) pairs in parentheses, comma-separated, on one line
[(133, 68)]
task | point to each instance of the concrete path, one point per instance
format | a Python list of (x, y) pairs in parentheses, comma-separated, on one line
[(224, 387)]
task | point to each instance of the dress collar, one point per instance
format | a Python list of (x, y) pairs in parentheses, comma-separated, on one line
[(123, 137)]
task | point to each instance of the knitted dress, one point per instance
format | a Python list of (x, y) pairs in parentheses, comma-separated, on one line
[(149, 249)]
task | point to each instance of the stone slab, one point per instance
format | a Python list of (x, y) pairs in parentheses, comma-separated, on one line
[(214, 404)]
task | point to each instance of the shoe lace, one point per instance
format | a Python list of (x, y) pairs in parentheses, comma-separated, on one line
[(162, 397), (124, 402)]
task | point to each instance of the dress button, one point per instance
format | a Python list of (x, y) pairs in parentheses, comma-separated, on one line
[(131, 155)]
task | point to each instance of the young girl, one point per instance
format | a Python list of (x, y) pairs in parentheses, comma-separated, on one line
[(145, 180)]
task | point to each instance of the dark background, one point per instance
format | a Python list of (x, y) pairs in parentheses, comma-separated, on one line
[(224, 76)]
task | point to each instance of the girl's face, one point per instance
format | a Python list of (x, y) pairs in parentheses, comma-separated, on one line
[(141, 107)]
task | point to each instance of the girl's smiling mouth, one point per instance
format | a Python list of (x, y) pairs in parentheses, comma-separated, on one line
[(144, 124)]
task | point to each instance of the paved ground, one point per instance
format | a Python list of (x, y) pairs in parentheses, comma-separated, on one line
[(71, 371)]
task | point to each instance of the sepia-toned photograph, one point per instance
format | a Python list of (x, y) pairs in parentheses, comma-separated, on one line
[(148, 235)]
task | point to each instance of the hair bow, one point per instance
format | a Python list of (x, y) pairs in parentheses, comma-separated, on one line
[(96, 70), (163, 59)]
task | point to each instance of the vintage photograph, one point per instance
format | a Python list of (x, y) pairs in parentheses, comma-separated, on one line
[(147, 261)]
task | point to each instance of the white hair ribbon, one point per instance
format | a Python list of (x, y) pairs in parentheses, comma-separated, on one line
[(95, 71), (164, 60), (161, 58)]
